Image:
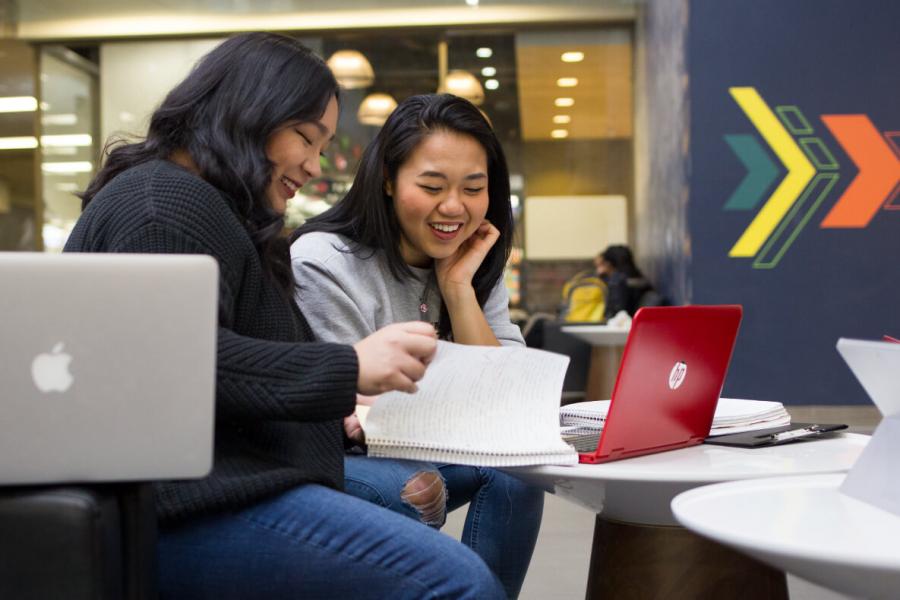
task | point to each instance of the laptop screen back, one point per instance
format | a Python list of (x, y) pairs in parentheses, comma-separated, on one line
[(108, 369), (875, 365), (669, 382)]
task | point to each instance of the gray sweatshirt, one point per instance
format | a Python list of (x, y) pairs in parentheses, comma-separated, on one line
[(347, 296)]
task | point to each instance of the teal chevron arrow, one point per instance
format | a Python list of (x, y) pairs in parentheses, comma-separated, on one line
[(761, 172)]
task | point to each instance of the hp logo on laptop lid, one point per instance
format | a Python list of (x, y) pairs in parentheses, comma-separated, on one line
[(677, 375)]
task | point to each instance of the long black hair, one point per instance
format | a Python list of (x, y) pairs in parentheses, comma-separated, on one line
[(222, 115), (620, 257), (366, 214)]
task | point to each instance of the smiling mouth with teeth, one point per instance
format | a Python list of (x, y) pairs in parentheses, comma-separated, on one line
[(290, 183), (445, 228)]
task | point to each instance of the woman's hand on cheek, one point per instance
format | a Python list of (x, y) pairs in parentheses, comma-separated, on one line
[(458, 270)]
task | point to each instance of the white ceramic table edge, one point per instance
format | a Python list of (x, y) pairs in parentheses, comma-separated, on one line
[(832, 539), (639, 490)]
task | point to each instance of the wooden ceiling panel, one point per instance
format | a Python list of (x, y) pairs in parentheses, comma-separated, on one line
[(603, 96)]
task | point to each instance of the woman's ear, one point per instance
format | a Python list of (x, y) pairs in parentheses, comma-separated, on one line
[(388, 189)]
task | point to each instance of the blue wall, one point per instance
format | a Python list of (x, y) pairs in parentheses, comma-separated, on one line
[(824, 57)]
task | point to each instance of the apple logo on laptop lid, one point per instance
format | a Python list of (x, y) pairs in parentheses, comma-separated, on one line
[(50, 371)]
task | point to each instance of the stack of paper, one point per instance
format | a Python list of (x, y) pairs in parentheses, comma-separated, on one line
[(734, 416), (582, 422)]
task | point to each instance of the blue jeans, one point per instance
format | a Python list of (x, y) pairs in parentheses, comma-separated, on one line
[(504, 516), (315, 542)]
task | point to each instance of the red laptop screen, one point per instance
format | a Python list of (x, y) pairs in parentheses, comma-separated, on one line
[(669, 381)]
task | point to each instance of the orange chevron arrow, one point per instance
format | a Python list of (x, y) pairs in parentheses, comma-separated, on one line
[(879, 171)]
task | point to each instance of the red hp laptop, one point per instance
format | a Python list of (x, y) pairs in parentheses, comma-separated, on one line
[(669, 381)]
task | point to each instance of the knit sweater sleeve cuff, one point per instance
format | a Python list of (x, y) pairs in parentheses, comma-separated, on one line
[(307, 381)]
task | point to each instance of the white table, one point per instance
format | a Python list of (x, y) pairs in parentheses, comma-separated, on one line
[(598, 335), (637, 540), (606, 354), (802, 525)]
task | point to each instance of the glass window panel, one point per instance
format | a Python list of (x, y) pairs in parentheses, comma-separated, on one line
[(68, 139), (18, 208)]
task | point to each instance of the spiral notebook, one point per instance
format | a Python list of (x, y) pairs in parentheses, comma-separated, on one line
[(476, 405), (582, 422)]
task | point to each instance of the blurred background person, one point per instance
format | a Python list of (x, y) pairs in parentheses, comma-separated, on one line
[(626, 287)]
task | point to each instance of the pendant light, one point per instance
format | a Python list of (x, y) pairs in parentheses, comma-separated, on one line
[(351, 69), (375, 109), (464, 85), (459, 83)]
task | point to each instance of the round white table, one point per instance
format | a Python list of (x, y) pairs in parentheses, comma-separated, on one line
[(607, 344), (803, 525), (638, 541), (598, 335)]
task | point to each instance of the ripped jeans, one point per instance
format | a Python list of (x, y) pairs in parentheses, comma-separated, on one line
[(501, 525)]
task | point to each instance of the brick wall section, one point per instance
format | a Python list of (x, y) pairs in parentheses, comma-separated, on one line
[(543, 282)]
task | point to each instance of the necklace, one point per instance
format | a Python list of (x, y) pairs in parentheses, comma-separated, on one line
[(423, 299)]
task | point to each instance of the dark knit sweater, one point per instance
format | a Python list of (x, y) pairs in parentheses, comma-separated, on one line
[(279, 403)]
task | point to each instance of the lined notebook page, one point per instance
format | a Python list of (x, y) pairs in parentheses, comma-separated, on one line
[(489, 406)]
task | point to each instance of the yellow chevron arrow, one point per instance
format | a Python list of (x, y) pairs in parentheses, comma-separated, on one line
[(800, 171)]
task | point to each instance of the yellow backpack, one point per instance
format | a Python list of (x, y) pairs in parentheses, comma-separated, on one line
[(584, 298)]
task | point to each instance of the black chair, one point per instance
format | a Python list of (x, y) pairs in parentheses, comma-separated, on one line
[(579, 353), (651, 298), (78, 542), (543, 330)]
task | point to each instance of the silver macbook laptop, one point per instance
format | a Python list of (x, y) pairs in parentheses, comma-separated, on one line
[(108, 366)]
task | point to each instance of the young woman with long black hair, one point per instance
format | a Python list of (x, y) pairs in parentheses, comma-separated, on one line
[(424, 233), (225, 151)]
